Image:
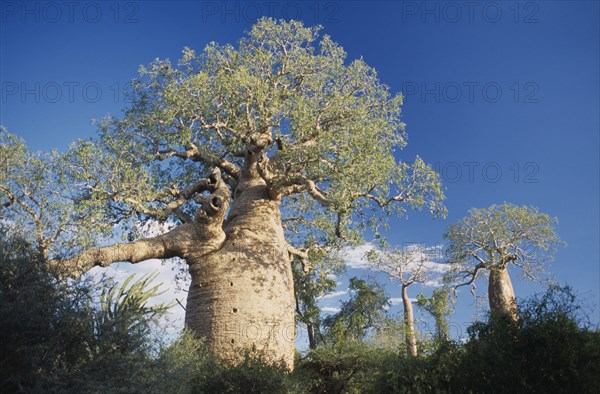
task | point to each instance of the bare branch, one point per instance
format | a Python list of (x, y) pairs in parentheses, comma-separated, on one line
[(472, 275), (196, 154), (526, 271), (301, 183)]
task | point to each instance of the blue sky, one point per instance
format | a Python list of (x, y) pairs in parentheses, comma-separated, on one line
[(502, 97)]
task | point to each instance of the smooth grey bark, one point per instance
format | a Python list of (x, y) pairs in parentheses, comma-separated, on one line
[(500, 293), (409, 322)]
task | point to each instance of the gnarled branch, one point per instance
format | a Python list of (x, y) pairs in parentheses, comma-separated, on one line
[(196, 154), (181, 197), (202, 236), (302, 254)]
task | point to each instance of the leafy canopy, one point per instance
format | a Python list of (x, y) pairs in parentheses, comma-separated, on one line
[(36, 199), (494, 237), (323, 133)]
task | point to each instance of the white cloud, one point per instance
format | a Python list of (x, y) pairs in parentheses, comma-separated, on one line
[(398, 300), (416, 254), (330, 309), (434, 282), (335, 294), (355, 257)]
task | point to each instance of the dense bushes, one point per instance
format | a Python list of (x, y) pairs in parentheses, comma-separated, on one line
[(43, 335), (56, 336), (346, 367), (548, 350)]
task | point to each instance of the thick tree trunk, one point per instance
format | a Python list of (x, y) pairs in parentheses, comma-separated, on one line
[(409, 322), (241, 297), (501, 294)]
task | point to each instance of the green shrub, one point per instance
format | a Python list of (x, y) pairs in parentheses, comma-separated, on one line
[(56, 338), (346, 367), (545, 351)]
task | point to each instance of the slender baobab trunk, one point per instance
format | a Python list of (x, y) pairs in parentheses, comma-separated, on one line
[(409, 322), (501, 294), (312, 340)]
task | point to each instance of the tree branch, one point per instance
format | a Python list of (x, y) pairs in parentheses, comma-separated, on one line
[(204, 235), (302, 254), (162, 247), (299, 184), (472, 275), (182, 196), (196, 154)]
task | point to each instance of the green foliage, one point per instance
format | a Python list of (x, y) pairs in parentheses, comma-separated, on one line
[(499, 236), (180, 366), (42, 334), (346, 367), (389, 335), (253, 375), (123, 314), (309, 286), (431, 374), (36, 197), (439, 307), (363, 311), (187, 366), (55, 338), (545, 351)]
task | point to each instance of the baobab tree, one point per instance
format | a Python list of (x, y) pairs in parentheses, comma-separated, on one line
[(491, 240), (407, 266), (228, 146)]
